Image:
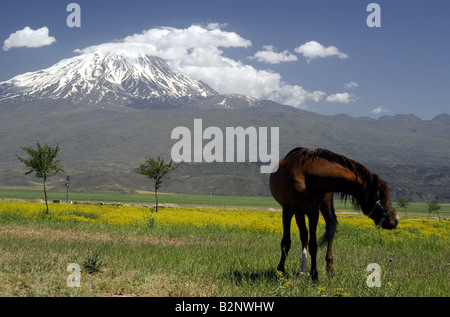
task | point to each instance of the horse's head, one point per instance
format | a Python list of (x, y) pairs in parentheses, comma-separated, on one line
[(379, 206)]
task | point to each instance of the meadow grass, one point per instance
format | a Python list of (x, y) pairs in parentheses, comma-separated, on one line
[(193, 251)]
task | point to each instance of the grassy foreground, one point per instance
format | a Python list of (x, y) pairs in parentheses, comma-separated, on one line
[(187, 251)]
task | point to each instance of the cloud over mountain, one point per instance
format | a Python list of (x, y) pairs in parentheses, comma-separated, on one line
[(344, 97), (379, 110), (198, 52)]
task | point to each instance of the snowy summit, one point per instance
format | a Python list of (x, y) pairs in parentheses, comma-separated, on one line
[(118, 77)]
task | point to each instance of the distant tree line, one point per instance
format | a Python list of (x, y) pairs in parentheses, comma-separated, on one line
[(44, 162)]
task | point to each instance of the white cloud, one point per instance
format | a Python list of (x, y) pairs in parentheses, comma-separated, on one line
[(351, 85), (29, 38), (214, 25), (268, 55), (193, 37), (380, 109), (341, 97), (196, 51), (313, 49)]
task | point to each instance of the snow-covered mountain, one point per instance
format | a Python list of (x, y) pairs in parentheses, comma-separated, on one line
[(119, 78)]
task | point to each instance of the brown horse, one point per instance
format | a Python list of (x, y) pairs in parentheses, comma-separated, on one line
[(304, 184)]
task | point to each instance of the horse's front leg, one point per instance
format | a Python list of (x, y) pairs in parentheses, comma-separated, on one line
[(300, 219), (286, 241)]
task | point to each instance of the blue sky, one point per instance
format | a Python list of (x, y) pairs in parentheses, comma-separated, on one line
[(319, 55)]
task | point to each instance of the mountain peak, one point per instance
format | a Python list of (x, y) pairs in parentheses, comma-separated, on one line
[(119, 77), (443, 118), (403, 117)]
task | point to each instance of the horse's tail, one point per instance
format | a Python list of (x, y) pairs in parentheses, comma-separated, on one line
[(331, 227)]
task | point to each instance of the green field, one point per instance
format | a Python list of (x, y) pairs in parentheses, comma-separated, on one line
[(202, 251), (30, 194)]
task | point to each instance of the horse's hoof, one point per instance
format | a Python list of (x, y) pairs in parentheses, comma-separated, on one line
[(330, 270), (280, 269), (314, 276)]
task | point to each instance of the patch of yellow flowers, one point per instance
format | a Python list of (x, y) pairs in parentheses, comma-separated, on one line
[(259, 220), (407, 229)]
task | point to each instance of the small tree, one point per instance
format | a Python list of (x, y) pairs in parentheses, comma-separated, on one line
[(403, 203), (156, 170), (44, 162), (433, 205)]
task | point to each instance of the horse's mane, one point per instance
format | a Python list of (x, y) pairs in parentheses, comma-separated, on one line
[(369, 181)]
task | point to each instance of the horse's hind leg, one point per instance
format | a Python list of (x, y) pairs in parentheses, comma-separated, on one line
[(286, 241), (329, 214), (300, 219), (313, 217)]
